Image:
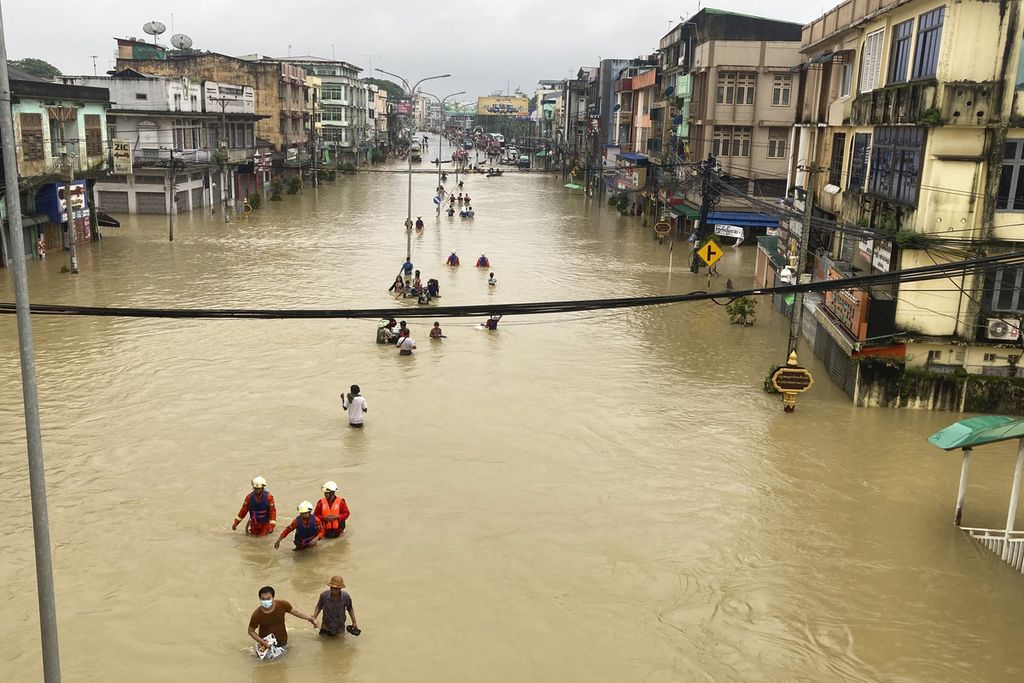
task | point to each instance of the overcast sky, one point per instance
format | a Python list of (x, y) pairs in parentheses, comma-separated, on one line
[(486, 46)]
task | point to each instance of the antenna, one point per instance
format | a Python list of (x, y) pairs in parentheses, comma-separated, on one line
[(181, 41), (94, 64), (369, 58), (154, 28)]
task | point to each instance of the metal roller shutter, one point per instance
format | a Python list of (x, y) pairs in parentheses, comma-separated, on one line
[(197, 197), (150, 202), (113, 202)]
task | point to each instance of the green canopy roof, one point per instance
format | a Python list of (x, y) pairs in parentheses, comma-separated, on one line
[(574, 186), (977, 431), (684, 210)]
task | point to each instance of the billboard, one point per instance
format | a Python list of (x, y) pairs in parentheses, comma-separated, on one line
[(405, 107), (502, 105)]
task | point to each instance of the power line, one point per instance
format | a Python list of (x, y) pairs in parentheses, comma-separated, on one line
[(922, 273)]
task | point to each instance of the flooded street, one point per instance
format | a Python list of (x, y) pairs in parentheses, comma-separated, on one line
[(606, 496)]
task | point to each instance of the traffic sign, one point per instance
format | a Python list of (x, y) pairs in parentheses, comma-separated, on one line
[(792, 379), (710, 252), (662, 228)]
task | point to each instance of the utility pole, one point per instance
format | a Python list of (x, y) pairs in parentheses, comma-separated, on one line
[(69, 182), (709, 197), (222, 152), (796, 313), (174, 198), (94, 64), (26, 351)]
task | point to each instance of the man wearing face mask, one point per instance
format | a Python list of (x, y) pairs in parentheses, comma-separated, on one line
[(268, 620)]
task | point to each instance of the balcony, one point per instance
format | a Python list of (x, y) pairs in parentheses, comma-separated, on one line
[(624, 85), (162, 157), (841, 17), (625, 118), (902, 103)]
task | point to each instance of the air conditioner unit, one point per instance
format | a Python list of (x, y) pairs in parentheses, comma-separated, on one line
[(1003, 329)]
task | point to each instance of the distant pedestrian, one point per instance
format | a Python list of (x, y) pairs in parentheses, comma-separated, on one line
[(355, 404), (435, 331), (334, 603), (492, 281), (492, 323), (406, 346), (266, 625), (407, 269)]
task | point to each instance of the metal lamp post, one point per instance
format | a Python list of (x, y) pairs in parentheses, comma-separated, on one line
[(411, 91), (440, 102)]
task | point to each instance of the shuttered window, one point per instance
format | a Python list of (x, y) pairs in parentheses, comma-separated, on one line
[(1011, 181), (859, 161), (835, 167), (871, 61), (929, 36), (93, 135), (31, 137), (896, 163)]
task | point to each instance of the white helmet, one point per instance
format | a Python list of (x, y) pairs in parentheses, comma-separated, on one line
[(305, 506), (330, 486), (259, 482)]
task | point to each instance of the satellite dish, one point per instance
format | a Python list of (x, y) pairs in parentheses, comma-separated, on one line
[(617, 107), (154, 28), (181, 41)]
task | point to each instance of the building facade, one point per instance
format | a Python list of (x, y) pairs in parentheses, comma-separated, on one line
[(343, 106)]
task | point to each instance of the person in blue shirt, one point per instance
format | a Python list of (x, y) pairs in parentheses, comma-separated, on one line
[(453, 260), (407, 269), (483, 261)]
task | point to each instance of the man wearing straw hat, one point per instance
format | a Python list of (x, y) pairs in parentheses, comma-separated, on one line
[(334, 603)]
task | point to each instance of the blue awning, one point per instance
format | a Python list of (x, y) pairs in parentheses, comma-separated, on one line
[(630, 156), (746, 219)]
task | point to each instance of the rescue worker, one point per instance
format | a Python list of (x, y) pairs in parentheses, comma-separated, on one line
[(483, 261), (308, 529), (259, 505), (453, 260), (332, 511)]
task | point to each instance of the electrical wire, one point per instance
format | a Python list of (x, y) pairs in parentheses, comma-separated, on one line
[(937, 271)]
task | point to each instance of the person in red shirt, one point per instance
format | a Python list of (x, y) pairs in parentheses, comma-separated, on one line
[(332, 511), (308, 529), (259, 505)]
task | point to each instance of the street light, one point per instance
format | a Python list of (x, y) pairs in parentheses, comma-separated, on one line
[(440, 102), (411, 91)]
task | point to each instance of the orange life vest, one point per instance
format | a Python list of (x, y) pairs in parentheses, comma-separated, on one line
[(328, 509)]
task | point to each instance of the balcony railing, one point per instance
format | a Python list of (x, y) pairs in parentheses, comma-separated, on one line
[(840, 17), (160, 157), (903, 103)]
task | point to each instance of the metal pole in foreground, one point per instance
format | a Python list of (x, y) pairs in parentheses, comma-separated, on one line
[(962, 490), (33, 435), (1011, 514)]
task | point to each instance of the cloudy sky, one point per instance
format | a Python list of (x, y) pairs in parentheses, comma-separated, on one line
[(486, 46)]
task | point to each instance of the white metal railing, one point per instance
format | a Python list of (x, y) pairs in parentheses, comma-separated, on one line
[(194, 156), (1008, 546)]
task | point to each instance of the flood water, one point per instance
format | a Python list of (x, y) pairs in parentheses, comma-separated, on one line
[(606, 496)]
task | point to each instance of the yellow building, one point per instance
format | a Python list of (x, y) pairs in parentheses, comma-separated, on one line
[(910, 118)]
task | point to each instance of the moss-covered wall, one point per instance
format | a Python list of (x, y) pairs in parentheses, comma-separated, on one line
[(886, 384)]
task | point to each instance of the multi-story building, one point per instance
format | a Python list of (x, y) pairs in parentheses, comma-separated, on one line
[(60, 133), (380, 117), (186, 140), (314, 124), (279, 87), (742, 106), (342, 105), (910, 142)]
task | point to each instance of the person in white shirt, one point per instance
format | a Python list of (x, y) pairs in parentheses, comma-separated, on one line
[(492, 281), (405, 346), (355, 405)]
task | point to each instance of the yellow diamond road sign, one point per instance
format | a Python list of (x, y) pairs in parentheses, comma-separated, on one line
[(710, 252)]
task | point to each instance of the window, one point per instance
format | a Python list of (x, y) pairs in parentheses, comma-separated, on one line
[(990, 358), (934, 355), (1020, 68), (31, 137), (859, 161), (929, 35), (899, 55), (871, 61), (330, 92), (782, 87), (1011, 182), (777, 138), (1003, 290), (93, 135), (896, 163), (835, 167), (845, 78), (141, 96), (731, 141), (726, 87), (745, 84)]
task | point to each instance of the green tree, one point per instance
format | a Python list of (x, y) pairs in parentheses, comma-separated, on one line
[(394, 91), (36, 67)]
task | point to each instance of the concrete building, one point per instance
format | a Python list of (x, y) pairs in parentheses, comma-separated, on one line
[(209, 128), (58, 130), (911, 114), (742, 106), (343, 102), (279, 88), (314, 123)]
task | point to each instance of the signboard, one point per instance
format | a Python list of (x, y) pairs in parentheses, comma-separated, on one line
[(595, 124), (292, 154), (261, 161), (502, 105), (405, 107), (729, 231), (122, 152), (878, 253), (662, 228), (710, 252), (792, 379)]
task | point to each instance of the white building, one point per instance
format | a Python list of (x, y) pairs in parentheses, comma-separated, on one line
[(343, 106)]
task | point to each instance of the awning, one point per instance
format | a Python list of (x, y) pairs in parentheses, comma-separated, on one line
[(747, 219), (977, 431), (34, 219), (632, 156), (684, 210), (542, 153), (821, 59), (833, 329)]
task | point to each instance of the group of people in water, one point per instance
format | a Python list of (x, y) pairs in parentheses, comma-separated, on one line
[(326, 519), (409, 283)]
